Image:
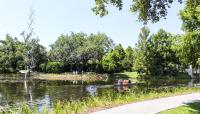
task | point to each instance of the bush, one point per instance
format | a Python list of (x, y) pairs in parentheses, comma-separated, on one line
[(52, 67), (42, 67), (6, 70)]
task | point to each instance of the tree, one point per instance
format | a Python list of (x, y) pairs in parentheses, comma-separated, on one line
[(189, 45), (141, 57), (113, 61), (129, 59), (96, 46), (109, 63), (79, 51), (190, 16), (163, 60), (28, 38), (147, 10), (120, 56), (66, 48), (39, 54), (11, 53), (188, 49)]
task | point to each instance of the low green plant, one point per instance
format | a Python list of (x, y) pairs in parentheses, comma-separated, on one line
[(107, 99)]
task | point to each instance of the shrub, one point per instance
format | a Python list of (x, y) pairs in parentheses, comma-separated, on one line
[(42, 67), (6, 70), (52, 67)]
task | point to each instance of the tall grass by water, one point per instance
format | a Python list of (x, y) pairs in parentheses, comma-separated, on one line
[(105, 100)]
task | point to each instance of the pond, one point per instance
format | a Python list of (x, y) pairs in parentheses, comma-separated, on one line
[(15, 89)]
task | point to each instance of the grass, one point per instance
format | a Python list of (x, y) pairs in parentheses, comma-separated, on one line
[(85, 76), (128, 75), (125, 75), (69, 76), (192, 108), (106, 100)]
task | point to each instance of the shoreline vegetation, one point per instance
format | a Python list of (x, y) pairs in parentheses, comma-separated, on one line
[(107, 100), (72, 77), (90, 76)]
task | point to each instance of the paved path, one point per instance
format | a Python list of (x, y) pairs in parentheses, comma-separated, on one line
[(152, 106)]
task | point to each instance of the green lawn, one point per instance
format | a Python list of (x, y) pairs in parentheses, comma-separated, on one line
[(193, 108), (126, 75)]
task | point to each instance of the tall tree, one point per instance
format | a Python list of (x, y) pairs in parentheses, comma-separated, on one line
[(190, 41), (109, 62), (141, 59), (129, 59), (188, 49), (28, 35), (163, 59), (95, 47), (113, 61)]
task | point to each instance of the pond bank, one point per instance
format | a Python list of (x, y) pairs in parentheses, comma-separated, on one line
[(71, 77), (152, 106), (86, 76)]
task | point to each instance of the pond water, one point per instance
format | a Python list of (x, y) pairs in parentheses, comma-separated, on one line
[(15, 89)]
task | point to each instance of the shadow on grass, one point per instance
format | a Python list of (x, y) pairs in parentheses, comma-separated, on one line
[(194, 107)]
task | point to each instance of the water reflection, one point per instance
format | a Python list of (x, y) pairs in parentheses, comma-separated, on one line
[(15, 89), (42, 93), (91, 89), (123, 89)]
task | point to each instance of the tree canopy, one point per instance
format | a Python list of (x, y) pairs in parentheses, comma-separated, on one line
[(147, 10)]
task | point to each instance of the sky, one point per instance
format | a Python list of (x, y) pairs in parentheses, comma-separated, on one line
[(55, 17)]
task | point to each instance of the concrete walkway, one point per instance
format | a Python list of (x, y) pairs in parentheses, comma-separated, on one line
[(152, 106)]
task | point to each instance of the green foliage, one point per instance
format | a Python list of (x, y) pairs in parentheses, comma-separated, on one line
[(147, 10), (190, 15), (154, 55), (141, 60), (66, 47), (113, 61), (13, 54), (198, 61), (129, 59), (188, 48), (11, 51), (108, 62), (42, 67), (163, 59), (81, 52), (52, 67), (39, 54)]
